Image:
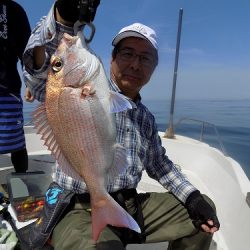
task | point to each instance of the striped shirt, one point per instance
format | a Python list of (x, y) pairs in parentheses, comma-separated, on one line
[(136, 128), (11, 123), (47, 32)]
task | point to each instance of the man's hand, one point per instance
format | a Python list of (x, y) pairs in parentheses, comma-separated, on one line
[(28, 96), (202, 214), (74, 10)]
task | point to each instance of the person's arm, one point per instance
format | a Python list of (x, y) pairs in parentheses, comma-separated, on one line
[(39, 56), (67, 13), (40, 51), (162, 169), (35, 65), (42, 44), (23, 31)]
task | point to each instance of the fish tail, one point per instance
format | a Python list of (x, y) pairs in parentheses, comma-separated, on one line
[(111, 213)]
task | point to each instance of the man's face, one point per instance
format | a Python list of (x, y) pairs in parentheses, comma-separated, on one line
[(133, 65)]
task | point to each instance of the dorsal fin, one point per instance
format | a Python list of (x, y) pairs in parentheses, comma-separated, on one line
[(43, 127)]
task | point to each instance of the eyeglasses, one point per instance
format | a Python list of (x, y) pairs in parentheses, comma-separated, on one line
[(129, 55)]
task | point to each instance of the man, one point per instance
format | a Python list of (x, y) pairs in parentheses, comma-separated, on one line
[(14, 34), (182, 215)]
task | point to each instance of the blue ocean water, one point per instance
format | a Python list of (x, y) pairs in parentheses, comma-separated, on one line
[(231, 118)]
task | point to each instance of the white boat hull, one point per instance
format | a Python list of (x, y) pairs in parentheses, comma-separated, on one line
[(219, 177), (214, 174)]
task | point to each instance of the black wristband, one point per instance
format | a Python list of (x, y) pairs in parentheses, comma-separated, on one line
[(192, 200), (200, 210)]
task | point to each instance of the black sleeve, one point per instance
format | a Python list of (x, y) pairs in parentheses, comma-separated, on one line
[(23, 31)]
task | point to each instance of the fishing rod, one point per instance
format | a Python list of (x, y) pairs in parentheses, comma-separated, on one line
[(170, 130)]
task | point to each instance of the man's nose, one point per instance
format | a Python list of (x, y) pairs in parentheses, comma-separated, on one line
[(136, 63)]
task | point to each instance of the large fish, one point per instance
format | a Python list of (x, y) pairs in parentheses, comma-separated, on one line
[(77, 124)]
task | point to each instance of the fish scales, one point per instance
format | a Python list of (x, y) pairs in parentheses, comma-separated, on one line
[(82, 134)]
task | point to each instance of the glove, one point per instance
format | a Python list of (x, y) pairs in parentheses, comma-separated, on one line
[(74, 10), (200, 211)]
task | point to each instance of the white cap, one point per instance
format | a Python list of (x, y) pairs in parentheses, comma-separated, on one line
[(136, 30)]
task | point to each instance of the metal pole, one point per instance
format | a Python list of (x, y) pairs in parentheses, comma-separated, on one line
[(170, 131)]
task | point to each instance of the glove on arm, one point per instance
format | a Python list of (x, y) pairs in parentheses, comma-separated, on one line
[(74, 10), (200, 211)]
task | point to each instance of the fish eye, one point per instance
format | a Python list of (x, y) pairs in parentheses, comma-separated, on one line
[(57, 64)]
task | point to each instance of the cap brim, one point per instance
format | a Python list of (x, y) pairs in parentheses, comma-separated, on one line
[(128, 33)]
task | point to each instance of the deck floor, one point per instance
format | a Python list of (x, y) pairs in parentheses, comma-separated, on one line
[(44, 163)]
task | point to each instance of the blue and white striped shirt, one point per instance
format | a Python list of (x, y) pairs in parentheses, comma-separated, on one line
[(47, 32), (136, 128)]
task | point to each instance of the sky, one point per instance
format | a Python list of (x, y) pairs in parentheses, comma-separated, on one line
[(214, 59)]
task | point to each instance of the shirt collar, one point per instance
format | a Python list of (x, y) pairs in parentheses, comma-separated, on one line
[(134, 103)]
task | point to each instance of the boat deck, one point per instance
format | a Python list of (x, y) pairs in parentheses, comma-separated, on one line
[(47, 163)]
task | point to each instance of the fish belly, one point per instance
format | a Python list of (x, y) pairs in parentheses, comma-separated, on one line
[(85, 131)]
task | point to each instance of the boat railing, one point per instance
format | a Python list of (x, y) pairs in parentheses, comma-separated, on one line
[(204, 124)]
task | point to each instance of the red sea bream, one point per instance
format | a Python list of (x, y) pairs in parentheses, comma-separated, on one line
[(77, 124)]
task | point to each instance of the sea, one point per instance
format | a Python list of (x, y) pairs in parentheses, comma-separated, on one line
[(221, 123)]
